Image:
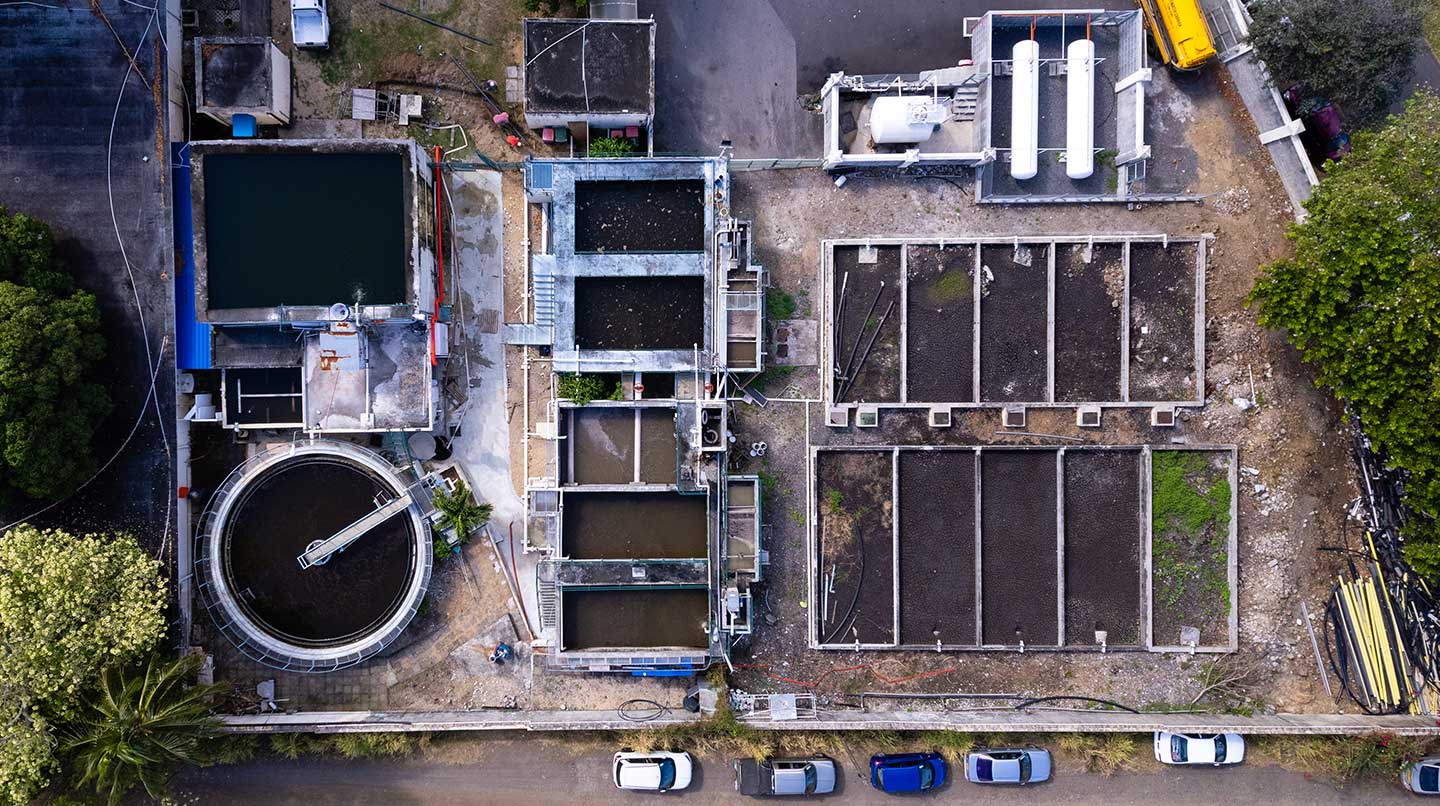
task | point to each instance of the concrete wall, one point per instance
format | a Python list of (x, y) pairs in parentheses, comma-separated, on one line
[(1003, 721)]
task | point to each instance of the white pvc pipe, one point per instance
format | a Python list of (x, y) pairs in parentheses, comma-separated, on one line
[(1080, 109), (1025, 109)]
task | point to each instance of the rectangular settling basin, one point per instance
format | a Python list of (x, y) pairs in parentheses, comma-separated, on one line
[(304, 229), (634, 618), (639, 313), (640, 216), (635, 526)]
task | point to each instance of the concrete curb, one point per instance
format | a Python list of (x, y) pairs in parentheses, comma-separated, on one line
[(992, 721)]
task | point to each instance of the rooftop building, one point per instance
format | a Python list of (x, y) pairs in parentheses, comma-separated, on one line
[(590, 74)]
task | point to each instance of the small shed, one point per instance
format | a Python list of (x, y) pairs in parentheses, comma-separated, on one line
[(591, 73), (242, 75)]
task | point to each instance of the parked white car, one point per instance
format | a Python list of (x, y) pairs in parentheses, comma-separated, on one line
[(652, 772), (1213, 749), (309, 23), (1422, 777)]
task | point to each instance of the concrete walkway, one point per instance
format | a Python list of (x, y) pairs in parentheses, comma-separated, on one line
[(483, 447)]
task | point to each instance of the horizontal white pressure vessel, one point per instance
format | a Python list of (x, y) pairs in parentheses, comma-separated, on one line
[(1080, 109), (1024, 109)]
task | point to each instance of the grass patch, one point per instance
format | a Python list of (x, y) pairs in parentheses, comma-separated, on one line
[(1431, 27), (389, 744), (772, 375), (1190, 511), (833, 499), (769, 485), (1103, 753), (1342, 759), (369, 44), (780, 305), (952, 286)]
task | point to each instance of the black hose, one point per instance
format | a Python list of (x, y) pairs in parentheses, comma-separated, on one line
[(1035, 700), (859, 582), (641, 710)]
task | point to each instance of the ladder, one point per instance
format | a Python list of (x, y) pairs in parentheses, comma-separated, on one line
[(549, 596), (544, 298), (966, 98)]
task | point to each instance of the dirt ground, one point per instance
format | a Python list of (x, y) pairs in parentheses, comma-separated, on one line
[(1295, 476)]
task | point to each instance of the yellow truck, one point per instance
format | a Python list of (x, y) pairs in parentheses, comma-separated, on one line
[(1180, 32)]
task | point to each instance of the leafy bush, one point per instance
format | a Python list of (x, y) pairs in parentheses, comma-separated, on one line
[(581, 389), (1356, 54), (50, 345), (26, 753), (610, 147), (780, 305), (1361, 300)]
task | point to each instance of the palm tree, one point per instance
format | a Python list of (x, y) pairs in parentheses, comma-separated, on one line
[(139, 724), (458, 511)]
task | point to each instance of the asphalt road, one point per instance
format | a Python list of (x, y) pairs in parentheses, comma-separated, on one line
[(519, 772)]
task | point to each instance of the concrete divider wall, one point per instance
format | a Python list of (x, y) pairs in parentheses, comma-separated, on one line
[(975, 721)]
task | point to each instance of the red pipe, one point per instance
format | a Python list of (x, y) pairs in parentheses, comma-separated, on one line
[(439, 257)]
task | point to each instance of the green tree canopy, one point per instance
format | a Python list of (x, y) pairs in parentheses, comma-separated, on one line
[(26, 752), (140, 724), (50, 344), (70, 606), (1361, 300), (1358, 54)]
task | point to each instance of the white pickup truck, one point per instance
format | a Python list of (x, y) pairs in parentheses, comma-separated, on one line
[(309, 23)]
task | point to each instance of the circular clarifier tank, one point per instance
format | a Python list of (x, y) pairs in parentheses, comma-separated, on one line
[(340, 610)]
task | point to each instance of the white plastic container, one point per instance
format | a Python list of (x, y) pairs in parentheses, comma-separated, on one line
[(1080, 109), (1024, 109)]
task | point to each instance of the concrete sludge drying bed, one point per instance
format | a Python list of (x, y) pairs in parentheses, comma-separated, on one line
[(983, 322), (999, 547), (610, 445)]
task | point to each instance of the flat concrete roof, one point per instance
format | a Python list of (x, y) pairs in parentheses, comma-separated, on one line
[(234, 71), (376, 380), (590, 67)]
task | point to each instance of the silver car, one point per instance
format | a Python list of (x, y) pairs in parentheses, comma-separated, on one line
[(1422, 777), (1022, 766), (785, 776)]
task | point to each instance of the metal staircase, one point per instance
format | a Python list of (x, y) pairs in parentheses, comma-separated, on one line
[(542, 330), (963, 107), (549, 595), (544, 298)]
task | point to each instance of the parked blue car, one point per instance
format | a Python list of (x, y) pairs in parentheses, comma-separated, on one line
[(907, 772)]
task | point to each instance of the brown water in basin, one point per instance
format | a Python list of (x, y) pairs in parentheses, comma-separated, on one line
[(635, 618), (624, 526), (282, 512)]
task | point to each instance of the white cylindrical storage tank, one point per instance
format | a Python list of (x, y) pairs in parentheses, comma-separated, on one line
[(1080, 109), (891, 121), (1024, 109)]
